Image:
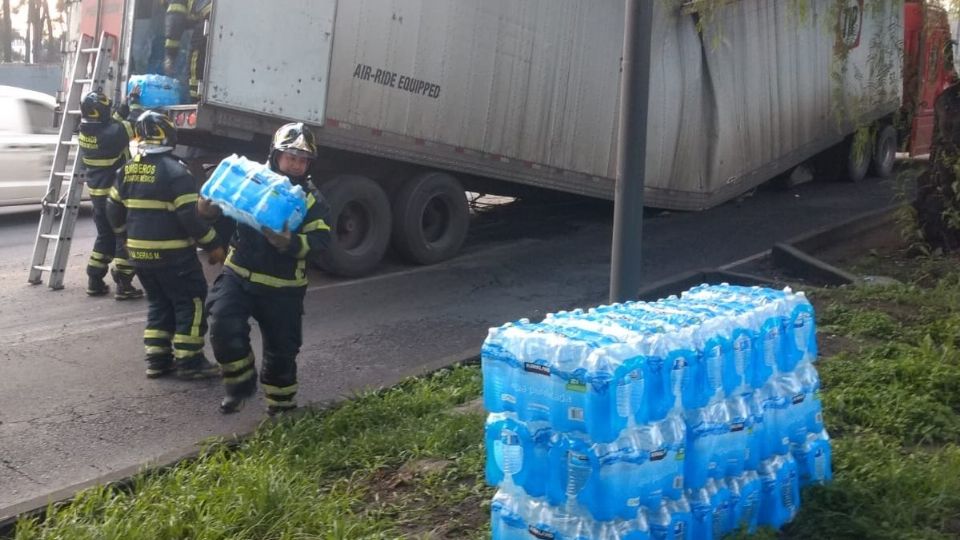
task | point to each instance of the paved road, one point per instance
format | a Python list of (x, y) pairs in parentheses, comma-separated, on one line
[(74, 403)]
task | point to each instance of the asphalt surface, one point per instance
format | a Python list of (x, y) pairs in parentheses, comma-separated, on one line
[(74, 403)]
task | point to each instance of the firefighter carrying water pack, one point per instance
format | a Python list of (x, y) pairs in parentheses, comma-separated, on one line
[(103, 147), (264, 278), (155, 203)]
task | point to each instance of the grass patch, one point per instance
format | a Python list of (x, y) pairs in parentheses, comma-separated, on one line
[(391, 465), (401, 464)]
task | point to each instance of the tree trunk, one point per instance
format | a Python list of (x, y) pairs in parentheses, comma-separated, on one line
[(938, 188), (37, 34), (6, 33)]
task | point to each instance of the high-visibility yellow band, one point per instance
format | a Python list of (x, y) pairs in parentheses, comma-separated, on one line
[(209, 237), (311, 200), (197, 317), (185, 199), (177, 7), (304, 246), (180, 354), (99, 192), (98, 162), (239, 364), (190, 340), (96, 264), (280, 390), (115, 195), (149, 204), (120, 230), (318, 225), (281, 404), (153, 350), (264, 279), (99, 256), (150, 333), (133, 243), (239, 378)]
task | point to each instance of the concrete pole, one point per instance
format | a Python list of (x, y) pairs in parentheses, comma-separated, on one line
[(625, 260)]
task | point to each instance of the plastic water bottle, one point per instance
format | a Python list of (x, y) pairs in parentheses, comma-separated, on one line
[(711, 510), (706, 429), (812, 407), (517, 453), (671, 520), (735, 447), (661, 474), (601, 478), (780, 496), (256, 196), (814, 458), (745, 492)]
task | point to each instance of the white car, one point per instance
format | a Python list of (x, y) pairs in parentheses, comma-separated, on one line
[(28, 140)]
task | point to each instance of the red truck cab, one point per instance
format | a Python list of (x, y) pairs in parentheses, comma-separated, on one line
[(928, 68)]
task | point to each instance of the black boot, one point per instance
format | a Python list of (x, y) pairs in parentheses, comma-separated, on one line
[(125, 288), (96, 286), (158, 366), (232, 404), (196, 369), (237, 395)]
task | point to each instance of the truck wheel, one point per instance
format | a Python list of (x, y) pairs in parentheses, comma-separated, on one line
[(360, 223), (884, 152), (859, 153), (430, 218)]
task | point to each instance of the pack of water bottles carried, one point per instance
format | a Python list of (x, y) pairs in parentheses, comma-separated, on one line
[(684, 418), (254, 195)]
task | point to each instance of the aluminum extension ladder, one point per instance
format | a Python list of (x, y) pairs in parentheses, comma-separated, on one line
[(59, 207)]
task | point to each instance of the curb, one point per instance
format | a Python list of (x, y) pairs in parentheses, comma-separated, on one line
[(123, 478), (793, 255)]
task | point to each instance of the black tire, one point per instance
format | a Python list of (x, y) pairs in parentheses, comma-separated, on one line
[(858, 160), (360, 226), (430, 218), (884, 152)]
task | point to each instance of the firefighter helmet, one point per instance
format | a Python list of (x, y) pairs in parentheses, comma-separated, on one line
[(155, 129), (95, 108), (296, 139)]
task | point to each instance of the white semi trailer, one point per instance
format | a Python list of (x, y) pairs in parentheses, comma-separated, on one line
[(414, 101)]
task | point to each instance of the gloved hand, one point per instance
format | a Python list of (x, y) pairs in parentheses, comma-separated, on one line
[(281, 240), (207, 209), (217, 255), (134, 97)]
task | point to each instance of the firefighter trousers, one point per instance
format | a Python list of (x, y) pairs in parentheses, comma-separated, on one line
[(176, 321), (108, 246), (233, 301)]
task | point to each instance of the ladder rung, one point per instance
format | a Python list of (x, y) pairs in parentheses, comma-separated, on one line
[(50, 236), (56, 205), (63, 174), (70, 142), (43, 268), (82, 81), (91, 50), (74, 111)]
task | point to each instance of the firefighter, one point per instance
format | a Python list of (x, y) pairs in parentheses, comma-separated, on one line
[(104, 141), (264, 278), (154, 202), (183, 15)]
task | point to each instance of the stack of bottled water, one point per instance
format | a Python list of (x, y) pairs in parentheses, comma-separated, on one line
[(255, 195), (688, 417)]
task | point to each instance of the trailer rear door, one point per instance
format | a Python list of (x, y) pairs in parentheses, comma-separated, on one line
[(270, 58)]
